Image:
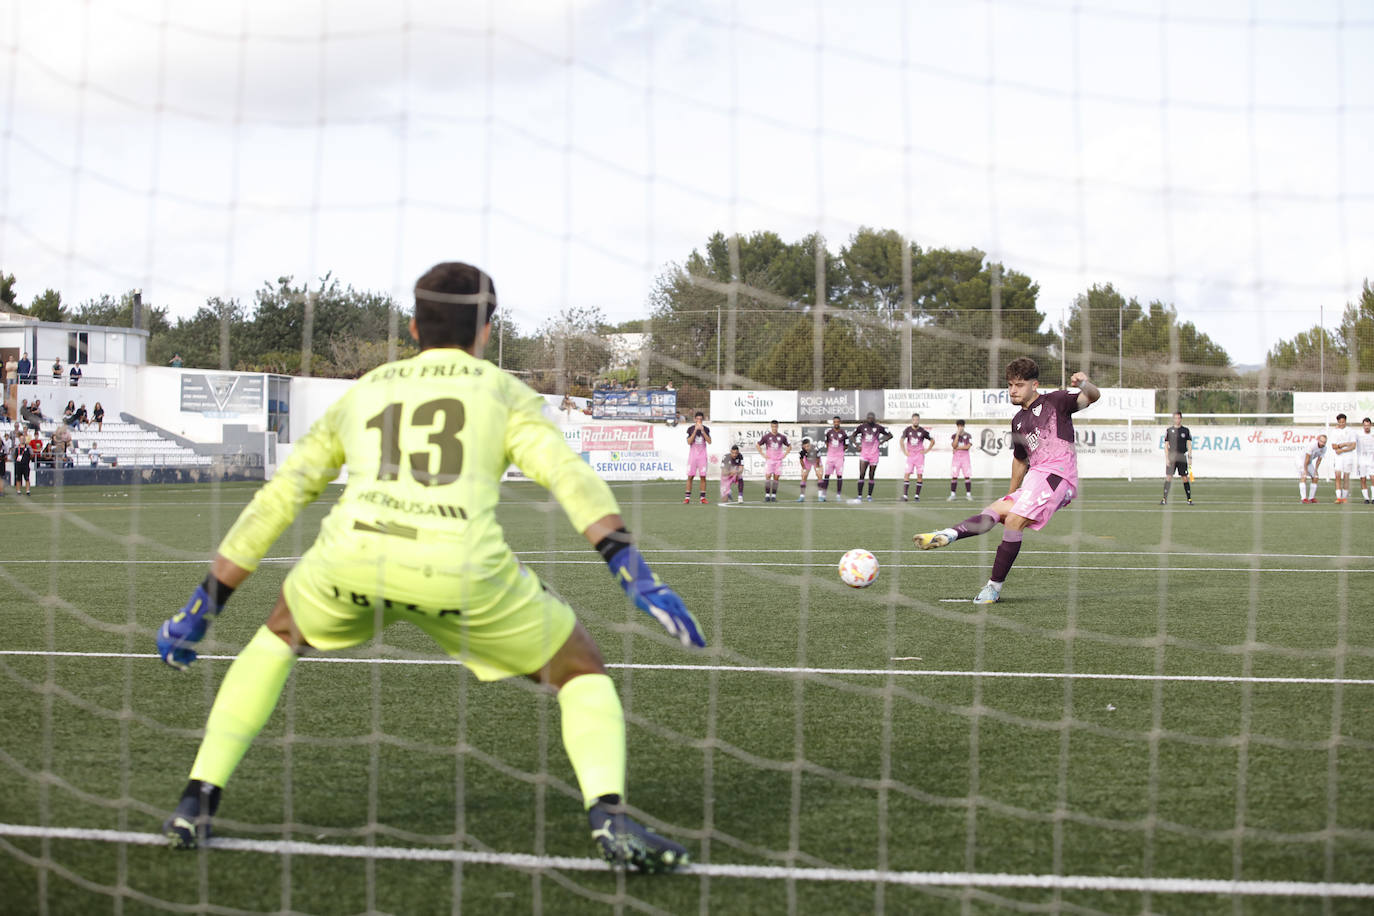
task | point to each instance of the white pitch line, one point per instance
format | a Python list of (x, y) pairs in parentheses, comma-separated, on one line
[(1244, 555), (529, 560), (769, 669), (1320, 889)]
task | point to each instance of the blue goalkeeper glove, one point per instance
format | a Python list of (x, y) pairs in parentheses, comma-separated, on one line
[(188, 626), (647, 591)]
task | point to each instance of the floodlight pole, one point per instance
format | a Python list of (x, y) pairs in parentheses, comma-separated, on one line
[(1063, 351), (1119, 376), (718, 384)]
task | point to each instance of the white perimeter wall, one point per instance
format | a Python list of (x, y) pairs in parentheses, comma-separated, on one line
[(158, 401), (628, 450), (639, 451)]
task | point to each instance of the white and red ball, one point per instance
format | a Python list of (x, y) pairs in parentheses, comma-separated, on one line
[(858, 568)]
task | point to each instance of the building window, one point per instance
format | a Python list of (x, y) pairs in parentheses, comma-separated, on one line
[(279, 406), (78, 347)]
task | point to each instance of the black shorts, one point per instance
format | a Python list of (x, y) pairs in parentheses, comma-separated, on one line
[(1177, 466), (21, 472)]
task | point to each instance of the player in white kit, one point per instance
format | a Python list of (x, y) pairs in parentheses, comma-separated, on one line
[(1364, 460), (1342, 442), (1311, 463)]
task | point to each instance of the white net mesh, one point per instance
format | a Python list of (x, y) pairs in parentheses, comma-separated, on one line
[(1167, 712)]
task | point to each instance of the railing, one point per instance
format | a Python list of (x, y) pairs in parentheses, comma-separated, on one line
[(86, 381)]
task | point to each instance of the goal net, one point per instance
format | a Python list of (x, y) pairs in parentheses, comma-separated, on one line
[(763, 213)]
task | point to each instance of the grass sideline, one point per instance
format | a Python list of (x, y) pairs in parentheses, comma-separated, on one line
[(1037, 776)]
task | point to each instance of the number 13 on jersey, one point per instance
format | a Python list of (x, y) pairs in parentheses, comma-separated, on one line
[(445, 416)]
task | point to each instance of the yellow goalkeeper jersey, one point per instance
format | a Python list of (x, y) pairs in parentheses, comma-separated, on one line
[(425, 441)]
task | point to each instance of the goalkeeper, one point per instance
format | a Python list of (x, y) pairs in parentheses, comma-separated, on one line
[(414, 537)]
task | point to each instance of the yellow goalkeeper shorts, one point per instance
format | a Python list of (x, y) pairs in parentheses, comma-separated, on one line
[(498, 625)]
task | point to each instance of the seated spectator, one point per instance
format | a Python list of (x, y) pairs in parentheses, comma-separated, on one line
[(30, 416), (98, 415), (57, 369), (75, 375), (82, 418), (68, 411), (62, 443), (4, 412)]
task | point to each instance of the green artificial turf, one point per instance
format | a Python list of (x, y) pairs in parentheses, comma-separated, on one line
[(840, 762)]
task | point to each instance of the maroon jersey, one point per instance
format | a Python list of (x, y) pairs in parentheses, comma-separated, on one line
[(961, 440), (913, 435), (1042, 435), (693, 435), (773, 444), (870, 435), (835, 440)]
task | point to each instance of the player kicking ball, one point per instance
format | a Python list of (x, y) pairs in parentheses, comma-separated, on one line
[(414, 537), (1044, 470)]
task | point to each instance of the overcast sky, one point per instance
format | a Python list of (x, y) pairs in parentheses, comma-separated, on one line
[(1217, 160)]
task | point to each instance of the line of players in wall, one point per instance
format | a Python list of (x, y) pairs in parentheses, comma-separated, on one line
[(825, 459), (1352, 451)]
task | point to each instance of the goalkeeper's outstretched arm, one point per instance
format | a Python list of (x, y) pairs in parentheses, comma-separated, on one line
[(314, 462)]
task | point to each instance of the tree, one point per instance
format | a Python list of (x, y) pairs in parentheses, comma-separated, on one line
[(571, 350), (199, 339), (1357, 337), (107, 311), (509, 348), (1100, 318), (8, 300), (873, 264), (1197, 362), (47, 306), (962, 340), (711, 317), (1321, 359), (847, 363)]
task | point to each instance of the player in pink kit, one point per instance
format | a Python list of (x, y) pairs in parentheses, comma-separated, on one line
[(774, 447), (960, 463), (916, 441), (1044, 469), (732, 475), (810, 461), (835, 440), (870, 435), (698, 437)]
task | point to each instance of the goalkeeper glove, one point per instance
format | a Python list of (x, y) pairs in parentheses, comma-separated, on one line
[(188, 626), (646, 590)]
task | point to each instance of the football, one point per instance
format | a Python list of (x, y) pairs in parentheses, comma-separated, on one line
[(858, 568)]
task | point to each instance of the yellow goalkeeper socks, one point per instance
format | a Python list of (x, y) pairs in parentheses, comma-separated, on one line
[(243, 705), (594, 735)]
